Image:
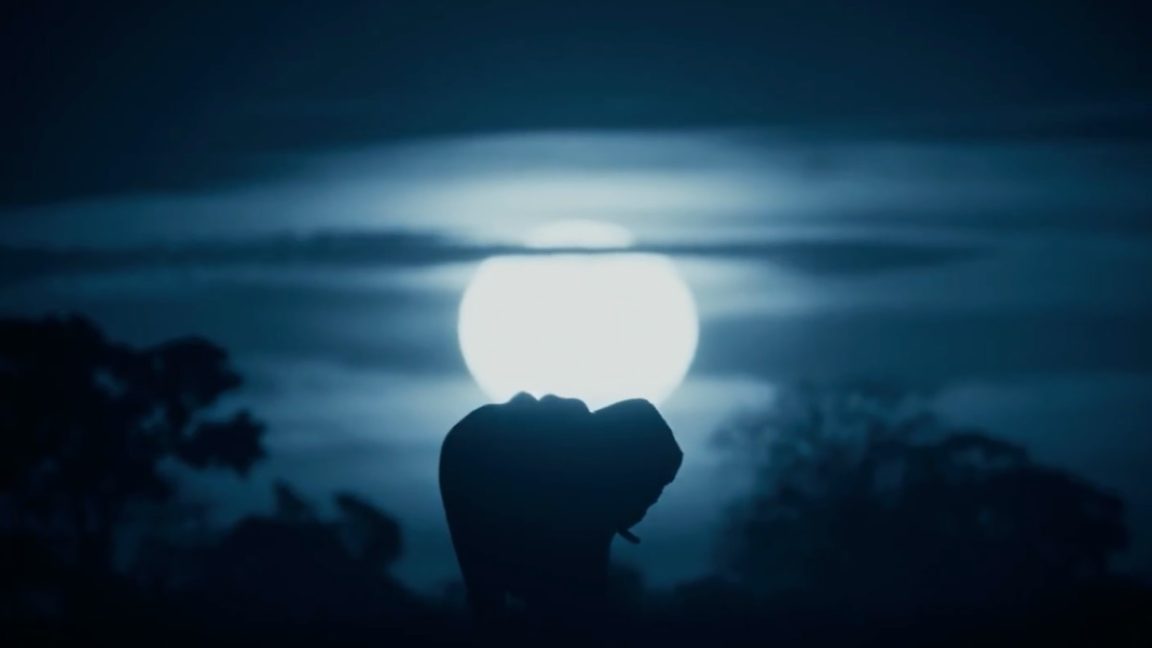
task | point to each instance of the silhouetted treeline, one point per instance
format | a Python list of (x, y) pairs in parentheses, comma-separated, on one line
[(97, 541), (869, 522)]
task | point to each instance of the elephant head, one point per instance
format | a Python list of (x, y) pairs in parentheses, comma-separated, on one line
[(535, 490)]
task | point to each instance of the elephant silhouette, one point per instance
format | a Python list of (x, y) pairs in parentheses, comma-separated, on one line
[(534, 492)]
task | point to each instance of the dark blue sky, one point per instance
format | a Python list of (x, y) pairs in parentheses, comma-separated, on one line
[(195, 94)]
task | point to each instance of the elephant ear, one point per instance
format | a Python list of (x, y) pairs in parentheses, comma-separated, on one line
[(640, 457)]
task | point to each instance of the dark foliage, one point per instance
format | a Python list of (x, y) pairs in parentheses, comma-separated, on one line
[(86, 425), (294, 575), (870, 521)]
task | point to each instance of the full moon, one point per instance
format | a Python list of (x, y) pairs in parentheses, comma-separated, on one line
[(598, 326)]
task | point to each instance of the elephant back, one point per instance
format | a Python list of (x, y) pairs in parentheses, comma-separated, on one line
[(535, 489)]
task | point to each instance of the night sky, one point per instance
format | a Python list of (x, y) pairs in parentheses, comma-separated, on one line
[(950, 195)]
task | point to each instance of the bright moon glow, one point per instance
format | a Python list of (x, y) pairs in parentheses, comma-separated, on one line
[(601, 327)]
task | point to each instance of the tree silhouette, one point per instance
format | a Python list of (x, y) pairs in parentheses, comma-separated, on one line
[(87, 424), (865, 507), (88, 428)]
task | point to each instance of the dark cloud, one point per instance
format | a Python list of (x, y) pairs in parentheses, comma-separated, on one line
[(132, 96), (335, 249), (1069, 123), (848, 257), (406, 249), (376, 326), (1101, 218), (915, 346)]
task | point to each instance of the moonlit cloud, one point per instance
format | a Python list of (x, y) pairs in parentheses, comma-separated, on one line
[(496, 185)]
